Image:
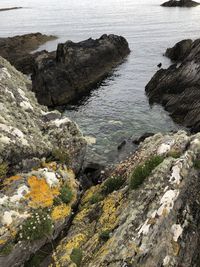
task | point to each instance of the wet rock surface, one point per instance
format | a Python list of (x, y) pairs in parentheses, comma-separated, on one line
[(181, 3), (17, 50), (177, 88), (76, 68)]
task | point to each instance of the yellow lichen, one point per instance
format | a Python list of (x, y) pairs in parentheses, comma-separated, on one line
[(2, 241), (50, 165), (81, 214), (89, 193), (111, 204), (40, 195), (11, 179), (60, 212)]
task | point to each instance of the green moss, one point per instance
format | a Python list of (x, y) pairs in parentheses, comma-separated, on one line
[(61, 156), (105, 235), (6, 249), (112, 184), (66, 194), (141, 172), (3, 170), (197, 164), (36, 227), (35, 260), (77, 256), (96, 198)]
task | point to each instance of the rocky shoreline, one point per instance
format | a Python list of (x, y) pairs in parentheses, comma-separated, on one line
[(177, 88), (17, 50), (180, 3)]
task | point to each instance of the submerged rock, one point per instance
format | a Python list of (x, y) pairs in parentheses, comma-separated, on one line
[(17, 49), (76, 68), (177, 88), (153, 224), (181, 3), (29, 131)]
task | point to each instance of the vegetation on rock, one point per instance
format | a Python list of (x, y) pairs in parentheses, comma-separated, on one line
[(142, 171), (3, 170), (76, 256), (112, 184)]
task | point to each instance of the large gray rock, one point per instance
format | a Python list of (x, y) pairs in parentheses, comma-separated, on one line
[(76, 69), (177, 88), (181, 3), (28, 130)]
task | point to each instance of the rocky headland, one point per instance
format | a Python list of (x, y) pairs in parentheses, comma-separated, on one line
[(177, 88), (76, 68), (145, 212), (17, 50), (10, 8), (181, 3)]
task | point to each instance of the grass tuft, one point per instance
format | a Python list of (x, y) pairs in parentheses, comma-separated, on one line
[(105, 235), (77, 256), (112, 184), (141, 172)]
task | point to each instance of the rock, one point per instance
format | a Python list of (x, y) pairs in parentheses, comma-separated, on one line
[(156, 224), (17, 50), (9, 8), (180, 51), (159, 65), (76, 68), (142, 138), (177, 88), (28, 130), (120, 146), (181, 3)]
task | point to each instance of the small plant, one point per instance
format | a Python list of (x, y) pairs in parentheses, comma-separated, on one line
[(3, 170), (66, 194), (36, 226), (174, 154), (96, 198), (35, 260), (141, 172), (6, 250), (61, 156), (112, 184), (105, 235), (77, 256), (197, 164)]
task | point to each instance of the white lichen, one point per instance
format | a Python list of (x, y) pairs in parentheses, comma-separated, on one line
[(175, 177), (59, 122), (177, 231), (50, 178), (167, 201), (21, 191)]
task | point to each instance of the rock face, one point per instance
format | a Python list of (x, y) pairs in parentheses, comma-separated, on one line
[(76, 68), (154, 224), (180, 51), (177, 88), (17, 50), (28, 130), (181, 3)]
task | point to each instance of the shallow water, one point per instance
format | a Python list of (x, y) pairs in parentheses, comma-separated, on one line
[(118, 109)]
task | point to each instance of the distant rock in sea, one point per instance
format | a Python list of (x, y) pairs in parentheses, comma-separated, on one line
[(9, 8), (181, 3)]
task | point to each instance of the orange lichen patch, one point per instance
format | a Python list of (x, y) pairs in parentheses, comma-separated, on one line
[(60, 212), (41, 195), (50, 165), (11, 179)]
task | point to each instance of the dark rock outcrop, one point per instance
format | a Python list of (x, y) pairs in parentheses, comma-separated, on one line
[(181, 3), (180, 51), (9, 8), (76, 68), (17, 50), (178, 87)]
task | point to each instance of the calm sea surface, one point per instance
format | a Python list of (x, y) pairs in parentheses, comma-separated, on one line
[(118, 109)]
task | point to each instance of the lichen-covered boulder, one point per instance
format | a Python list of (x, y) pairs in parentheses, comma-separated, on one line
[(34, 208), (146, 214), (28, 131)]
